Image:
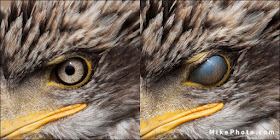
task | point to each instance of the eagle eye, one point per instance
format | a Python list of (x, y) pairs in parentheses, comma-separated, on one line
[(73, 72), (210, 73)]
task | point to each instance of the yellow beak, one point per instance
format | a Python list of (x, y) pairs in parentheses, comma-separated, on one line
[(32, 121), (167, 121)]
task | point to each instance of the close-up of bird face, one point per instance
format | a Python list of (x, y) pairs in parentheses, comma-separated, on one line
[(209, 67), (142, 69), (70, 70)]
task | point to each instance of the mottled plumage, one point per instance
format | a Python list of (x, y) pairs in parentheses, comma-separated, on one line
[(245, 32), (153, 40), (105, 32)]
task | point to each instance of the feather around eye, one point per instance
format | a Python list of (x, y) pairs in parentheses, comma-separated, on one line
[(213, 72)]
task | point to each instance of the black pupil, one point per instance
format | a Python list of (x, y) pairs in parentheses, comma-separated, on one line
[(70, 70)]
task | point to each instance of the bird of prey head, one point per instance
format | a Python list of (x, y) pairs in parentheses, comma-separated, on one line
[(70, 70), (208, 66)]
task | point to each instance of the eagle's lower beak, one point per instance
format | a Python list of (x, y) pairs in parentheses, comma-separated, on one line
[(32, 121), (167, 121)]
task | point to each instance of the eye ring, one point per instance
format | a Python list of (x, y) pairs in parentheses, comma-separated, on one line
[(73, 72), (220, 78)]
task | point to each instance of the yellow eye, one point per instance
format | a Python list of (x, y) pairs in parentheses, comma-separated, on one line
[(212, 72), (73, 72)]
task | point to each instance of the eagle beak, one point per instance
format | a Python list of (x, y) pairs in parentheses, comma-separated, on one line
[(166, 121), (32, 121)]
